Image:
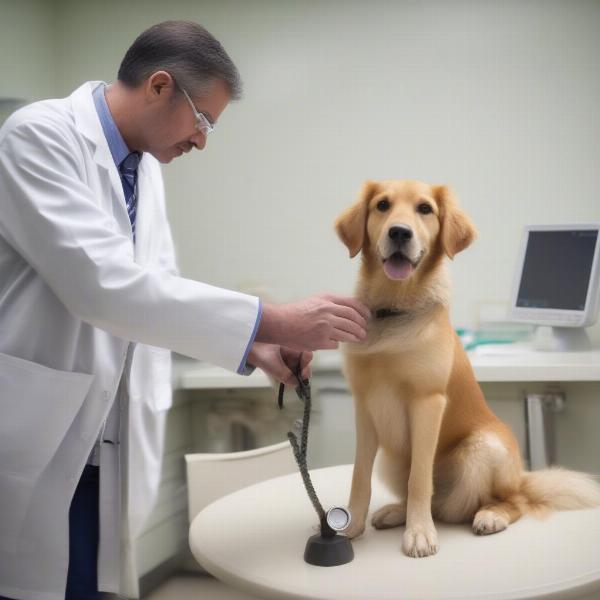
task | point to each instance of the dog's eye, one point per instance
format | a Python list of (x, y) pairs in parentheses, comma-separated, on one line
[(383, 205), (424, 208)]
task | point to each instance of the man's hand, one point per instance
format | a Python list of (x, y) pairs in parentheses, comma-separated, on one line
[(316, 323), (279, 362)]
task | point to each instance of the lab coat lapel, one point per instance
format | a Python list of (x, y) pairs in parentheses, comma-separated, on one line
[(89, 125), (144, 214)]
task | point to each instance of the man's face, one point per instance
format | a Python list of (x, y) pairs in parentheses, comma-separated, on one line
[(170, 124)]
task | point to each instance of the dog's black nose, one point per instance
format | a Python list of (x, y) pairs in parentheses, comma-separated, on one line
[(400, 233)]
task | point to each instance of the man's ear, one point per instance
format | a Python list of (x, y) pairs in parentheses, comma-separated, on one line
[(158, 82), (351, 224), (457, 231)]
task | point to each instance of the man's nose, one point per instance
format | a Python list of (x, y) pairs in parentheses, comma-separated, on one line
[(198, 140), (401, 234)]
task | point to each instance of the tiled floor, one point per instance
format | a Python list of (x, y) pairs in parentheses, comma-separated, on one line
[(196, 587)]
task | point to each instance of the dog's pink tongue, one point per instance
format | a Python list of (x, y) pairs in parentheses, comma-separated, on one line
[(397, 267)]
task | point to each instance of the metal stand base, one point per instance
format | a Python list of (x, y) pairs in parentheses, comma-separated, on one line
[(561, 339), (328, 552), (539, 420)]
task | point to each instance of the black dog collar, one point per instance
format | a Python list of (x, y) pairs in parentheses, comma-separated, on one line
[(382, 313)]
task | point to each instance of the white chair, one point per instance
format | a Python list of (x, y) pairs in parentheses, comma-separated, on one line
[(212, 476)]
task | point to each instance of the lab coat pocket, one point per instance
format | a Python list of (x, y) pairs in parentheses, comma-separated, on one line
[(37, 404)]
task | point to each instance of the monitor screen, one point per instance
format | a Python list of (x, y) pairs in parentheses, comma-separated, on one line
[(557, 269)]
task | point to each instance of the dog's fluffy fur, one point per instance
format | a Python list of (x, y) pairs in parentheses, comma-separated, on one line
[(441, 449)]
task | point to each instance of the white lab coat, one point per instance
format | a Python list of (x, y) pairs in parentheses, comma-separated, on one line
[(74, 294)]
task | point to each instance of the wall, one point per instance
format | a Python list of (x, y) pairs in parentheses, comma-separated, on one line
[(27, 49)]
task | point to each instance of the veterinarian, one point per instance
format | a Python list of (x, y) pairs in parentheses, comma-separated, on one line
[(91, 304)]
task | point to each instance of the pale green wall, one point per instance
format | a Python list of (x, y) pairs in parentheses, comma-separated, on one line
[(27, 49)]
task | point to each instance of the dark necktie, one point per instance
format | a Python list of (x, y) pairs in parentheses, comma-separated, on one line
[(128, 171)]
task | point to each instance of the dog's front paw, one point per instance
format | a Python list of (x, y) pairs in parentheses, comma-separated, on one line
[(355, 528), (489, 521), (391, 515), (420, 540)]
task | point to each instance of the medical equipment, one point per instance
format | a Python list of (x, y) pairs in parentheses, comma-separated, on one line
[(324, 549), (557, 283)]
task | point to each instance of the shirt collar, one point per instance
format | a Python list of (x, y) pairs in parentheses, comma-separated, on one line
[(116, 143)]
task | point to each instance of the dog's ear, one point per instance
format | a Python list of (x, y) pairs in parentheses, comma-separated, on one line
[(351, 224), (457, 230)]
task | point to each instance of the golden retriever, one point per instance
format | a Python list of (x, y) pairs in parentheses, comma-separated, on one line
[(441, 449)]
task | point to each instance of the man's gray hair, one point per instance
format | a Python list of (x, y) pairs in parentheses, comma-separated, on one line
[(189, 53)]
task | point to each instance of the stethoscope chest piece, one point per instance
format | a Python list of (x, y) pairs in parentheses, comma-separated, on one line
[(331, 550), (338, 518)]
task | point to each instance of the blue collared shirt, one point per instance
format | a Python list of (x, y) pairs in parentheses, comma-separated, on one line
[(245, 368), (116, 143)]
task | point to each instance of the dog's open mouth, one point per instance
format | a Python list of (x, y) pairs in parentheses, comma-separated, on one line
[(397, 266)]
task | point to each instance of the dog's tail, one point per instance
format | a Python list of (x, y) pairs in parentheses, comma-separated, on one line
[(558, 489)]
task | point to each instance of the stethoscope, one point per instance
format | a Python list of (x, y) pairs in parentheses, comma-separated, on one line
[(325, 549)]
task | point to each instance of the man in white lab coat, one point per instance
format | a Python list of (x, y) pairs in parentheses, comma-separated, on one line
[(91, 303)]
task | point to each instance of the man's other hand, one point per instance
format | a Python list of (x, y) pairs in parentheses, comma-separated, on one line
[(280, 363)]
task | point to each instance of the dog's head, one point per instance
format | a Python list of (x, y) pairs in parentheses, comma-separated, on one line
[(404, 225)]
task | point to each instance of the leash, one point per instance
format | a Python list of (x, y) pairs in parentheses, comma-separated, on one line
[(303, 392)]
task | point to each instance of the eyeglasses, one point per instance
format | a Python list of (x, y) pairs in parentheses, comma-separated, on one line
[(202, 122)]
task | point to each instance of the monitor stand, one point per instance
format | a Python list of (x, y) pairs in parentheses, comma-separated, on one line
[(561, 339)]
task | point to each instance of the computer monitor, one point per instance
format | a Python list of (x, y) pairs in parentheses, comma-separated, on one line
[(557, 282)]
